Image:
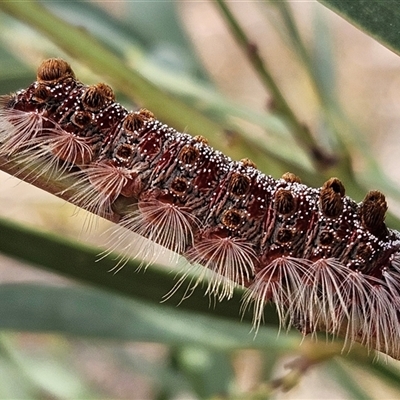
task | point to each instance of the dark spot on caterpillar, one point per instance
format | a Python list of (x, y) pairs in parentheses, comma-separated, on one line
[(54, 69), (291, 178), (336, 186), (132, 122), (179, 185), (188, 154), (284, 201), (124, 152), (231, 218), (133, 186), (331, 198), (326, 238), (364, 251), (284, 235), (239, 184), (151, 145), (96, 96), (81, 118), (248, 163), (372, 212), (135, 121), (41, 93)]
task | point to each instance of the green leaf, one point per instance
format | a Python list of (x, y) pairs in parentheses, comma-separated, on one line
[(380, 19), (87, 312), (159, 25), (347, 381), (13, 73), (388, 373), (77, 261), (151, 28), (54, 376), (9, 374), (209, 371), (167, 380)]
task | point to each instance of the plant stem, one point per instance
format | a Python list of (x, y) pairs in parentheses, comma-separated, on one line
[(299, 130)]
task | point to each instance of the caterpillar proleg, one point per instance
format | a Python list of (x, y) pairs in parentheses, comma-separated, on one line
[(327, 262)]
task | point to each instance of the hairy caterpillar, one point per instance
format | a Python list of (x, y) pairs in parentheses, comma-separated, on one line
[(326, 262)]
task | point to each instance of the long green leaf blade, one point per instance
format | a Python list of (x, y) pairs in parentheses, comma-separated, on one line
[(77, 261), (88, 312), (380, 19)]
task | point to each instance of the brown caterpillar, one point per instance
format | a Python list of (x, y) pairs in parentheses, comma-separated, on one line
[(327, 262)]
